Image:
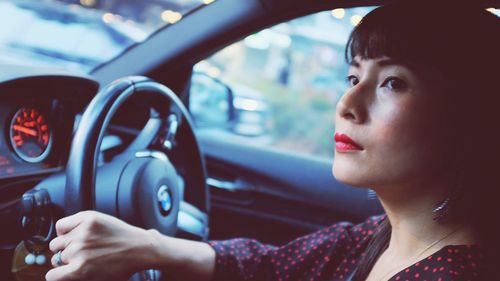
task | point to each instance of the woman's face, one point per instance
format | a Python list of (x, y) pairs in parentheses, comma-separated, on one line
[(396, 116)]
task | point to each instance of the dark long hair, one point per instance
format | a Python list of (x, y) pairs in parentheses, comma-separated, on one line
[(461, 42)]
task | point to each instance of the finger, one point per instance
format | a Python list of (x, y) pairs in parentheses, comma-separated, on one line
[(61, 273), (60, 242), (68, 223), (59, 259), (68, 254)]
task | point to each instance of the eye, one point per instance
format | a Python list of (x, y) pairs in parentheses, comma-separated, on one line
[(394, 84), (352, 80)]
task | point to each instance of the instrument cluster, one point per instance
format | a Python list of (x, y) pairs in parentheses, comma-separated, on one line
[(30, 134), (37, 113), (28, 140)]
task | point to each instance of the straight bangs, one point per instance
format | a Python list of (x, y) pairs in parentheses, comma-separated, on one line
[(431, 34), (396, 32)]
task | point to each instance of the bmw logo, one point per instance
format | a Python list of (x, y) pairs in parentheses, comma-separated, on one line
[(164, 200)]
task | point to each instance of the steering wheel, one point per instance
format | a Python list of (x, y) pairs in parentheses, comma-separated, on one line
[(140, 186)]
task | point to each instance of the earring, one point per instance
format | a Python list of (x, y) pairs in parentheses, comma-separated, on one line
[(454, 197), (442, 210)]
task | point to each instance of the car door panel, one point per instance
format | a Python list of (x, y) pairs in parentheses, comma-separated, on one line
[(273, 195)]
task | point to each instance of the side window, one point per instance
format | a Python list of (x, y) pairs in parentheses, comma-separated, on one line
[(278, 87)]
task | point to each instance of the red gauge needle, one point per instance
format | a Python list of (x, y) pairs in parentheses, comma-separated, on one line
[(25, 130)]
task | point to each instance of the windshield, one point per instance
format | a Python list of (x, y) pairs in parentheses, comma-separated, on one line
[(80, 35)]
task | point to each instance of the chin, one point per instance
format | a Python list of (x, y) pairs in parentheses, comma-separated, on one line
[(349, 175)]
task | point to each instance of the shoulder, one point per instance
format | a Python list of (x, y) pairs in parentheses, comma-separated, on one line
[(369, 225), (343, 233), (361, 231)]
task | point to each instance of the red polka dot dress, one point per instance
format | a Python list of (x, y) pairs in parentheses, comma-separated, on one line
[(333, 254)]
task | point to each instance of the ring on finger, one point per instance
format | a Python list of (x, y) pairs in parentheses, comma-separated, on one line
[(58, 260)]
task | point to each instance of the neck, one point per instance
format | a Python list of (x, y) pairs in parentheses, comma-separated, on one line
[(413, 226)]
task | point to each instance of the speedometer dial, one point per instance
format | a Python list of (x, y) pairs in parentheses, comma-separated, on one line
[(30, 135)]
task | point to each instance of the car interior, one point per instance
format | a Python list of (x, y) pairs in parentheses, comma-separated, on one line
[(124, 138)]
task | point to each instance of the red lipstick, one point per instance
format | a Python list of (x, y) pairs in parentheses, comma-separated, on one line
[(344, 143)]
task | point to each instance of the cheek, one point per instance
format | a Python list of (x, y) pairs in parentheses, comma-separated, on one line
[(394, 131), (407, 143)]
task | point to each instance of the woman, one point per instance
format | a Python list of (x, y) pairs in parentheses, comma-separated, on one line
[(417, 125)]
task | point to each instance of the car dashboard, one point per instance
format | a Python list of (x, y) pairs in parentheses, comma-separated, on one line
[(38, 109)]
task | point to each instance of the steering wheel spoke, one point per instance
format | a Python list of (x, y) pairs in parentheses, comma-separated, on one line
[(145, 139), (158, 134)]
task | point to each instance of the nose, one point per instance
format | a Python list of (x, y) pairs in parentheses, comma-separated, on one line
[(353, 104)]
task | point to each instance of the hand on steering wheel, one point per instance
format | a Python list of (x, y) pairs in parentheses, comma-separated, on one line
[(95, 246)]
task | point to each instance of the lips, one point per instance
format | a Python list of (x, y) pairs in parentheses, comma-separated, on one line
[(344, 143)]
